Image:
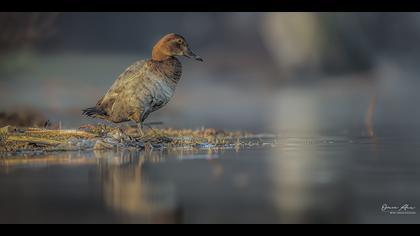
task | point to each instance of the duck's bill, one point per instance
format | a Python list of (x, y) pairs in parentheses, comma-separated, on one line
[(192, 55)]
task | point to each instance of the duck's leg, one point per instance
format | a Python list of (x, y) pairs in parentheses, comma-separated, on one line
[(137, 117), (140, 128)]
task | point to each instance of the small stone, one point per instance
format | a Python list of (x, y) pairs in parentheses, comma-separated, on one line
[(135, 144), (118, 135), (73, 141), (205, 145), (100, 145), (156, 145)]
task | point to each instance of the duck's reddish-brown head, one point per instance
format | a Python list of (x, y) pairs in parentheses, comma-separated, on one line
[(172, 45)]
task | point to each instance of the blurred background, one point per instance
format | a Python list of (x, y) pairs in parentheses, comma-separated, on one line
[(346, 82), (263, 72)]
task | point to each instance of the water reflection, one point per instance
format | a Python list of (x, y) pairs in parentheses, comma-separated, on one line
[(333, 179), (131, 191), (127, 182), (306, 187)]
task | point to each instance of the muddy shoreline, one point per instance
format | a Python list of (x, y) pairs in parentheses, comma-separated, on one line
[(15, 141)]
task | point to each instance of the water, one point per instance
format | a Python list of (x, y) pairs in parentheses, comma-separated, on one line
[(321, 179)]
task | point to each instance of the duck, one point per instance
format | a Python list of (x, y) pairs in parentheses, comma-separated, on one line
[(145, 86)]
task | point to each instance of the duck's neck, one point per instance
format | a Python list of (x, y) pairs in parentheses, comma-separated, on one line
[(170, 67)]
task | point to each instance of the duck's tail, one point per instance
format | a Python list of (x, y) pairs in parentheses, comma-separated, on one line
[(94, 112)]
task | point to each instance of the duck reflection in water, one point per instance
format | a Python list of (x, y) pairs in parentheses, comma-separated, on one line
[(133, 192)]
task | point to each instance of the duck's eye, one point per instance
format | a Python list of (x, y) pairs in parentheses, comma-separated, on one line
[(179, 41)]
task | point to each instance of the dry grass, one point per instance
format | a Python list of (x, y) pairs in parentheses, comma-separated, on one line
[(59, 134), (3, 135)]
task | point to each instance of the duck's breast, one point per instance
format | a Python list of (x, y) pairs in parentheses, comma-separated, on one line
[(153, 91), (162, 89)]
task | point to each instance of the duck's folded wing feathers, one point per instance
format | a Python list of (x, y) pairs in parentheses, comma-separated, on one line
[(133, 71)]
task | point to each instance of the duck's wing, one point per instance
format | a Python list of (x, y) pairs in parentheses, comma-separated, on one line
[(132, 72)]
